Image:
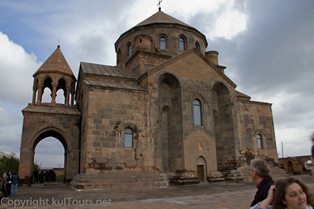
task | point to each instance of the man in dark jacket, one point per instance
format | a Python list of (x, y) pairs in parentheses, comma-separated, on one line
[(35, 174), (259, 171)]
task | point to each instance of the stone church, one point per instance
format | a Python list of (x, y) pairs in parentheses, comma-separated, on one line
[(166, 109)]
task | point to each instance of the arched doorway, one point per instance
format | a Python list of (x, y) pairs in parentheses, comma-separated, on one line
[(290, 167), (50, 154), (201, 168)]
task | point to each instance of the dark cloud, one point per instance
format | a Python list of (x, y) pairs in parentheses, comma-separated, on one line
[(272, 61), (272, 49)]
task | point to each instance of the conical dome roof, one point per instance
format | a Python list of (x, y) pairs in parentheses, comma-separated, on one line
[(161, 17), (55, 63)]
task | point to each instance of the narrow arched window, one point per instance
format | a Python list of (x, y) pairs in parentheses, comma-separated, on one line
[(162, 42), (181, 42), (129, 49), (259, 141), (197, 112), (128, 138), (197, 46), (118, 56)]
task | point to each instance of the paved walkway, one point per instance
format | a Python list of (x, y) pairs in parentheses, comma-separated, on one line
[(221, 195)]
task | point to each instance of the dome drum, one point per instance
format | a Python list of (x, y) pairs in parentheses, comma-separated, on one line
[(150, 39)]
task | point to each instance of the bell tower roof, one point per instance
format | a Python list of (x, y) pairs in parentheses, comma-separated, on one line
[(55, 63)]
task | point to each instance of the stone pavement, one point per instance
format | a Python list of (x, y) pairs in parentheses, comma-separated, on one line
[(206, 195)]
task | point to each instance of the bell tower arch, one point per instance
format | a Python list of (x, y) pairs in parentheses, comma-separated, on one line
[(44, 119)]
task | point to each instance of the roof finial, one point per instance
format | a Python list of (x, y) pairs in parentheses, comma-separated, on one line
[(59, 43), (159, 5)]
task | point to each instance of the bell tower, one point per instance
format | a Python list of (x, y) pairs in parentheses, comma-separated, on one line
[(51, 119), (54, 74)]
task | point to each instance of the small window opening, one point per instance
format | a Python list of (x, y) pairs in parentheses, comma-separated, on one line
[(197, 112), (259, 142), (181, 42), (197, 46), (128, 138), (162, 43), (129, 49)]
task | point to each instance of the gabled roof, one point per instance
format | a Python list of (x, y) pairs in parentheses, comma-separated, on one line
[(56, 62), (161, 17), (240, 94), (176, 58), (105, 70)]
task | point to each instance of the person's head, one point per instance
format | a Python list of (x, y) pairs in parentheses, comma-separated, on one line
[(9, 172), (15, 172), (291, 193), (259, 169)]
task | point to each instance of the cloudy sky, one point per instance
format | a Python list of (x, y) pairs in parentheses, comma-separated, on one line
[(267, 46)]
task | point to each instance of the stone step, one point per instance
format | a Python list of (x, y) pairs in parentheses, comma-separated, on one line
[(119, 180), (93, 186)]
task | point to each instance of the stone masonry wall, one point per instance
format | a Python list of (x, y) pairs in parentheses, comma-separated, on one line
[(110, 112), (255, 118), (143, 61)]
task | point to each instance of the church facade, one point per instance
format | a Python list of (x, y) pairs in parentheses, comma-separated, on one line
[(166, 107)]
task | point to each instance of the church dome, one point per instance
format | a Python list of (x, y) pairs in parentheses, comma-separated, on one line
[(159, 33)]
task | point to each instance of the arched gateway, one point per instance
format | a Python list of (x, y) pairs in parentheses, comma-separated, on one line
[(42, 120)]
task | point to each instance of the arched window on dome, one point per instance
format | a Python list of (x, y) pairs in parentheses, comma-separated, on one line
[(128, 138), (182, 43), (259, 141), (197, 46), (162, 42), (197, 112), (118, 56), (129, 49)]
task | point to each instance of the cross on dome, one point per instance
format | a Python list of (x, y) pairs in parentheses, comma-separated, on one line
[(159, 5)]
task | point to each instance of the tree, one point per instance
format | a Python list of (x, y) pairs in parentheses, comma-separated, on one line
[(36, 166), (10, 162)]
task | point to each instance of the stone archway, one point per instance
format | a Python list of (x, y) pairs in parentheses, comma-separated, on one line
[(55, 134), (223, 122), (41, 121), (71, 157), (170, 113)]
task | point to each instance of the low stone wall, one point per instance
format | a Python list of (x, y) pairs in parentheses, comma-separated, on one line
[(275, 172)]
